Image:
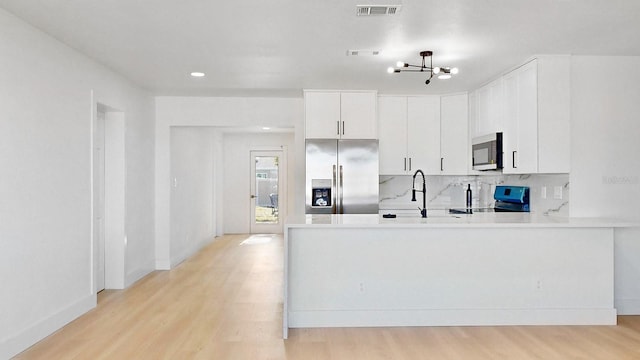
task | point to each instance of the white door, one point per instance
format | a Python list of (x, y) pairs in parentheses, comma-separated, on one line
[(267, 195), (98, 201)]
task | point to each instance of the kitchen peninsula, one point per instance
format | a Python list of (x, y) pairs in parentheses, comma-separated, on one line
[(447, 270)]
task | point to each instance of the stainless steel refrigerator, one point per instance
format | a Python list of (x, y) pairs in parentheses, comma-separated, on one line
[(342, 176)]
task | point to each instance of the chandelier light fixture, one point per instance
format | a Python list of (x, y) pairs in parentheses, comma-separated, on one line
[(443, 73)]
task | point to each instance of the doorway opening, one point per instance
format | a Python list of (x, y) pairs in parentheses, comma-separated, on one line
[(267, 195), (108, 198)]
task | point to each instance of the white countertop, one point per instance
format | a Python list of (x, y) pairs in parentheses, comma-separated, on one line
[(445, 220)]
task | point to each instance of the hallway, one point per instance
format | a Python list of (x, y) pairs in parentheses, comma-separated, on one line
[(226, 303)]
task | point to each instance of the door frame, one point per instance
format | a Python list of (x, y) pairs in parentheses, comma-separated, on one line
[(115, 240), (281, 151)]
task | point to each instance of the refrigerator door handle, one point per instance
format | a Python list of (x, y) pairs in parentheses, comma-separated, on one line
[(334, 190), (341, 208)]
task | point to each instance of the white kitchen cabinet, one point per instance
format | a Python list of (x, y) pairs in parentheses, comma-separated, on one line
[(340, 114), (409, 134), (392, 151), (554, 114), (537, 116), (531, 106), (520, 129), (358, 115), (488, 109), (423, 134), (454, 139)]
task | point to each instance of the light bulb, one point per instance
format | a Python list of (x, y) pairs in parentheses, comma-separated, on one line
[(454, 70), (444, 76), (390, 70), (436, 70), (197, 74), (400, 64)]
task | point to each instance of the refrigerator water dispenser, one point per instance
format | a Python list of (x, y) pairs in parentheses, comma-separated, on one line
[(321, 192)]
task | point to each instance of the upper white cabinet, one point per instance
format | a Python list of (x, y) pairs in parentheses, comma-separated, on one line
[(489, 108), (423, 134), (520, 129), (554, 114), (409, 134), (531, 107), (454, 139), (392, 152), (340, 114)]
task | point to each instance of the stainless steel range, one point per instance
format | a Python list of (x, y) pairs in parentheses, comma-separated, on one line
[(508, 199)]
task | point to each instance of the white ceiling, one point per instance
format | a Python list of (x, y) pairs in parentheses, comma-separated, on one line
[(278, 47)]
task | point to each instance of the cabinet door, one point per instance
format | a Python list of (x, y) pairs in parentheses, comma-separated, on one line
[(358, 115), (454, 150), (392, 123), (521, 120), (554, 114), (423, 136), (489, 109), (322, 115)]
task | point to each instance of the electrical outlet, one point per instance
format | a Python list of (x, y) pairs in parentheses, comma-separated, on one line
[(543, 192), (361, 288), (557, 192)]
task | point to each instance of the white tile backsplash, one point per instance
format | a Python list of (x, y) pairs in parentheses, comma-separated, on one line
[(445, 192)]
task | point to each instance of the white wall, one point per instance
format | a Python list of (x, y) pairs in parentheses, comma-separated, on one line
[(237, 175), (605, 166), (192, 222), (220, 113), (46, 113)]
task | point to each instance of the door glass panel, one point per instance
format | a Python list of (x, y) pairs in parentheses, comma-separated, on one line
[(266, 196)]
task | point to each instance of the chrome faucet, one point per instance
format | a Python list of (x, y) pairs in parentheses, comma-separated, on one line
[(423, 211)]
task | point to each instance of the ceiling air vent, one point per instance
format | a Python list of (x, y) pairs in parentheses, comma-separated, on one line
[(363, 52), (370, 10)]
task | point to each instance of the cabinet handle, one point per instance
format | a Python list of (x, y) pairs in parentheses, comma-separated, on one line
[(343, 128), (338, 127), (513, 159), (409, 164), (405, 164), (441, 164)]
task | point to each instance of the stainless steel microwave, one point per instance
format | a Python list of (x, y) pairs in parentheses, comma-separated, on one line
[(487, 152)]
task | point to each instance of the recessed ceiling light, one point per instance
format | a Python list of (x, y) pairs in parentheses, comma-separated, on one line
[(266, 128), (197, 74)]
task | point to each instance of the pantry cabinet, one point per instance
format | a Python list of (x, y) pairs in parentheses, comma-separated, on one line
[(340, 114)]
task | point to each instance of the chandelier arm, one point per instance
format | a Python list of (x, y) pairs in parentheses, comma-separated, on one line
[(417, 70)]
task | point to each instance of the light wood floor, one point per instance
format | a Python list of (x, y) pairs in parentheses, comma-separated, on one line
[(226, 303)]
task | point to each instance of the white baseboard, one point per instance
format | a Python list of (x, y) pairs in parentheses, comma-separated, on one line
[(21, 341), (163, 264), (189, 252), (462, 317), (628, 306), (138, 274)]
